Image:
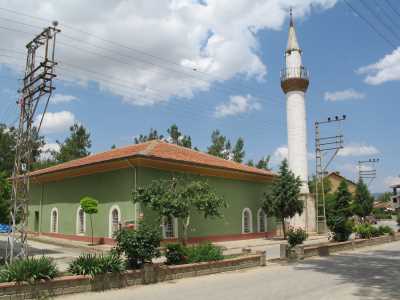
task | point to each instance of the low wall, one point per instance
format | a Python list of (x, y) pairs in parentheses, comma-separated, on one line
[(151, 273), (328, 248)]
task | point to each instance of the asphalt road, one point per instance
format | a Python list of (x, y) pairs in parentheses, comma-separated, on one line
[(372, 273)]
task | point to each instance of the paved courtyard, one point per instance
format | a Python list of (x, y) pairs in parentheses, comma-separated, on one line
[(371, 273)]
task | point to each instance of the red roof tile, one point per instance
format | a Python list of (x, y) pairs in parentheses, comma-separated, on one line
[(158, 150)]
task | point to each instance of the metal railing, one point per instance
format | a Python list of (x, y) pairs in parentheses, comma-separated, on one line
[(298, 72)]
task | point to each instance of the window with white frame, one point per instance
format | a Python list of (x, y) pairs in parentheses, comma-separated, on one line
[(54, 220), (114, 220), (247, 221), (80, 221), (169, 225), (262, 220)]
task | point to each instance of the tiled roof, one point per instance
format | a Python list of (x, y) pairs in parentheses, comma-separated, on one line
[(158, 150)]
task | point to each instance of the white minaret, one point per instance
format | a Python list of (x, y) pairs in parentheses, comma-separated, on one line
[(294, 83)]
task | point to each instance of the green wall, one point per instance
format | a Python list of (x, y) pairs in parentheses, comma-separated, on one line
[(115, 188)]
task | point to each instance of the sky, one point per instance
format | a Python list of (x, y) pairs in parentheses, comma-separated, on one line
[(128, 66)]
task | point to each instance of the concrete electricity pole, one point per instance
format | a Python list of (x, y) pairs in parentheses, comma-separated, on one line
[(37, 83), (367, 169), (322, 145)]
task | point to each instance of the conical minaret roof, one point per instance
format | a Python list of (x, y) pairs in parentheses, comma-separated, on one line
[(292, 43)]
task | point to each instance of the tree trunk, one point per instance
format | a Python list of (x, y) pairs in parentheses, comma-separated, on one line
[(185, 230), (91, 227), (283, 228)]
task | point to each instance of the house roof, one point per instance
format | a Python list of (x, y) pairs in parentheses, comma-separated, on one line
[(341, 176), (154, 150)]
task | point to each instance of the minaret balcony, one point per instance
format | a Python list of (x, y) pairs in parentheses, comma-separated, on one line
[(294, 79)]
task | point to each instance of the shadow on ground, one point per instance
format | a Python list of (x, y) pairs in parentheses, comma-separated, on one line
[(376, 273)]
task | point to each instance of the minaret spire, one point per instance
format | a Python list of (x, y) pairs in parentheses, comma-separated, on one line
[(292, 43)]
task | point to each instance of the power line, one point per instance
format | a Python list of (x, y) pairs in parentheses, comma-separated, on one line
[(380, 20), (382, 9), (372, 26), (392, 7), (115, 43)]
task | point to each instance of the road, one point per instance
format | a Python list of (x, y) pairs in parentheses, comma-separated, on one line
[(371, 273)]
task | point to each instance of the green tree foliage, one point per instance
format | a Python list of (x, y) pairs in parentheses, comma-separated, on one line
[(327, 185), (90, 207), (140, 245), (339, 213), (75, 146), (220, 146), (385, 197), (177, 138), (250, 163), (238, 151), (153, 135), (5, 196), (283, 202), (179, 197), (363, 200), (8, 140), (263, 163)]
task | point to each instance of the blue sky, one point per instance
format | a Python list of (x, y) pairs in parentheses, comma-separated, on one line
[(336, 43)]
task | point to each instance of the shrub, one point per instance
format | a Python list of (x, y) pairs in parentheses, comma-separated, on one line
[(30, 270), (91, 264), (385, 230), (341, 228), (140, 245), (398, 219), (176, 254), (296, 236), (204, 252)]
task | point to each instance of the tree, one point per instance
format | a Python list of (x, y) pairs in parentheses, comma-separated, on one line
[(363, 201), (385, 197), (327, 185), (8, 141), (219, 145), (337, 217), (5, 195), (177, 138), (90, 207), (238, 151), (153, 135), (283, 201), (263, 163), (179, 197), (250, 163), (75, 146)]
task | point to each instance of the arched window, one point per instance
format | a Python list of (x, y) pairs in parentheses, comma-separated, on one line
[(80, 221), (247, 221), (114, 220), (170, 227), (261, 221), (54, 220)]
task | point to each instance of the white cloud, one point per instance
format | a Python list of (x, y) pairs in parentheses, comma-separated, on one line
[(386, 69), (358, 150), (47, 149), (391, 180), (216, 37), (55, 122), (237, 105), (62, 98), (280, 154), (343, 95)]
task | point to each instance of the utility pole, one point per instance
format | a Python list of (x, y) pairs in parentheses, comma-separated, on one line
[(37, 83), (367, 169), (322, 145)]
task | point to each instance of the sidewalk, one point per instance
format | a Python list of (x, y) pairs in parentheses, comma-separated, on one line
[(270, 245)]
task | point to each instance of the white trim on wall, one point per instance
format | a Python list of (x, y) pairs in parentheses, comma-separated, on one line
[(78, 232), (54, 209), (265, 221), (250, 220), (114, 207)]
